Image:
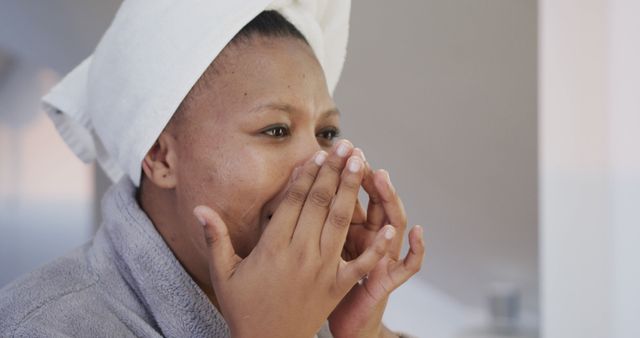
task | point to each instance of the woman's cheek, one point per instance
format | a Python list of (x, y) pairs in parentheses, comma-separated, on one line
[(245, 180)]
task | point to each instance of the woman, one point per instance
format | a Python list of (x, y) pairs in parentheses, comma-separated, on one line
[(246, 221)]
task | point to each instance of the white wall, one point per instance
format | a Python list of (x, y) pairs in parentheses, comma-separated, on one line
[(624, 131), (442, 93), (590, 168)]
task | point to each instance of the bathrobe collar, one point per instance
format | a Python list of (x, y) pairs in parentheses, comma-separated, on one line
[(177, 304)]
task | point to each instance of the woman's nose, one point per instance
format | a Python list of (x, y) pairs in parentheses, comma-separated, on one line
[(305, 151)]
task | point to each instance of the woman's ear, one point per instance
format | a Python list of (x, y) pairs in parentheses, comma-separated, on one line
[(160, 163)]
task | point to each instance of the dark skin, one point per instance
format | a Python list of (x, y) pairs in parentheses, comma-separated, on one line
[(231, 150)]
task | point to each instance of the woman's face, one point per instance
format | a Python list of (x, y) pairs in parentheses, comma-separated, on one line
[(263, 111)]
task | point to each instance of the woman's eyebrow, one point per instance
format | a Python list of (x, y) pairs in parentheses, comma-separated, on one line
[(289, 109)]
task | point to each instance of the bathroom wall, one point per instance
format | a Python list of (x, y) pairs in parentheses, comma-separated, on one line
[(443, 95)]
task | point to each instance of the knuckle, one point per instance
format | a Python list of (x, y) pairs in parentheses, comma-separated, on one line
[(375, 199), (394, 256), (339, 220), (360, 270), (414, 268), (295, 195), (350, 184), (210, 240), (334, 166), (379, 250), (321, 197), (309, 173)]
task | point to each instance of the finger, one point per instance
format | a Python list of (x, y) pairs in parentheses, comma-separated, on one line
[(288, 212), (412, 263), (393, 207), (353, 271), (359, 238), (316, 207), (334, 231), (375, 210), (359, 215), (222, 257)]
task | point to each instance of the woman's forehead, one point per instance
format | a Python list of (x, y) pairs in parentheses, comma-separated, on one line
[(264, 73), (274, 57)]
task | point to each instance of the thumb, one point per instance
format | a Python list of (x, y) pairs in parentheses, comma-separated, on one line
[(222, 257)]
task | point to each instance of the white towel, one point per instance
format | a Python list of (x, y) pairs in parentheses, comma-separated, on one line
[(114, 105)]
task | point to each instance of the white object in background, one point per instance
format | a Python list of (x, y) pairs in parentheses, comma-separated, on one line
[(423, 311)]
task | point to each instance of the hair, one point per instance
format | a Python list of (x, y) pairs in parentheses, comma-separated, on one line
[(270, 24)]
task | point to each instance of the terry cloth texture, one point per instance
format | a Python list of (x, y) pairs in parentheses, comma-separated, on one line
[(114, 105), (125, 283)]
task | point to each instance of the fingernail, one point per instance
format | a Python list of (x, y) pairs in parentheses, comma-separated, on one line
[(389, 232), (320, 157), (343, 148), (200, 218), (354, 164)]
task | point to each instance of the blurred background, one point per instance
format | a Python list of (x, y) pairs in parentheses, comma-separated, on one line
[(509, 165)]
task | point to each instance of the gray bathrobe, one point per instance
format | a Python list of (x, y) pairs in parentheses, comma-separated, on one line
[(125, 282)]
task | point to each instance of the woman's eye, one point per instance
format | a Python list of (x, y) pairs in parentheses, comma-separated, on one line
[(329, 134), (278, 131)]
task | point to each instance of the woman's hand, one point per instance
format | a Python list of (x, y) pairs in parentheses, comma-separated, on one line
[(359, 314), (295, 276)]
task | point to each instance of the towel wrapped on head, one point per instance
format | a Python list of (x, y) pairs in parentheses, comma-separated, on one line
[(113, 106)]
